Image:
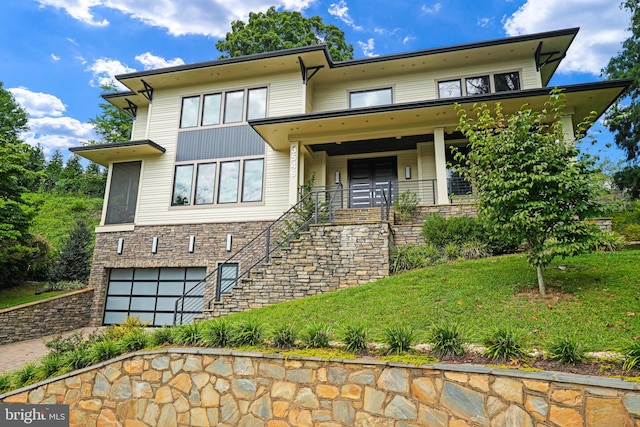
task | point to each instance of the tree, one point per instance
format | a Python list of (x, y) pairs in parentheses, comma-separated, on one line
[(71, 176), (15, 215), (94, 181), (623, 118), (112, 124), (74, 263), (277, 30), (52, 171), (531, 183)]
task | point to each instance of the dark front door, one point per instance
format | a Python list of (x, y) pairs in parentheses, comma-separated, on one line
[(368, 178)]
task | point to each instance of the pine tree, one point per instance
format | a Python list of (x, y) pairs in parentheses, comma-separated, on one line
[(74, 263)]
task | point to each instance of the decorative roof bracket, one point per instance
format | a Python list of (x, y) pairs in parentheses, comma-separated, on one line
[(544, 58), (132, 109), (147, 92), (305, 71)]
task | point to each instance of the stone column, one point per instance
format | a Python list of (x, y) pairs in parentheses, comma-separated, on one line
[(441, 166)]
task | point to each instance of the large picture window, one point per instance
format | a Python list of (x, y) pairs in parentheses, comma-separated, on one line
[(123, 193), (370, 98), (479, 85), (225, 107), (219, 182)]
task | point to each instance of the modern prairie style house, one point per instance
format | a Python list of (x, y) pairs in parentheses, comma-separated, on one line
[(220, 150)]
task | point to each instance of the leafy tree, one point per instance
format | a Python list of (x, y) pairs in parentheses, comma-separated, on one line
[(531, 183), (35, 163), (71, 176), (277, 30), (15, 215), (112, 124), (53, 171), (75, 257), (623, 117), (94, 181)]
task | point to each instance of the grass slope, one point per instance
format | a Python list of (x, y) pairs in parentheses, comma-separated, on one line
[(23, 294), (593, 298)]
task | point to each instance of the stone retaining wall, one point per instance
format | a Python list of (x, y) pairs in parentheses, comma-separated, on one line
[(51, 316), (327, 258), (208, 387)]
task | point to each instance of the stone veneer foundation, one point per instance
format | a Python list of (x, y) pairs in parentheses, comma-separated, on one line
[(208, 387)]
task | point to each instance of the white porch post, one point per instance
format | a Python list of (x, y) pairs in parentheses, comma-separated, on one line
[(567, 128), (441, 166), (294, 173)]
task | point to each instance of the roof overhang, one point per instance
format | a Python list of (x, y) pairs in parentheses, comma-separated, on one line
[(398, 120), (104, 154)]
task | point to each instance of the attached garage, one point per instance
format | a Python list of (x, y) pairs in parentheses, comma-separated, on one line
[(151, 294)]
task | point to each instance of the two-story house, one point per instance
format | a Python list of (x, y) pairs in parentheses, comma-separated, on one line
[(220, 149)]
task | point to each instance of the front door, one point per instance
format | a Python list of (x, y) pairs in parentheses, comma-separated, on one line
[(368, 178)]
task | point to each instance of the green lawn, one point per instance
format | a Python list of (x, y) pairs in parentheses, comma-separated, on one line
[(22, 294), (594, 297)]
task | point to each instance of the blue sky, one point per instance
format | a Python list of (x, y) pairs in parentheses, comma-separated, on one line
[(55, 53)]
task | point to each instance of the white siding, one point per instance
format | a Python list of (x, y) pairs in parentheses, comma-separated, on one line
[(139, 129)]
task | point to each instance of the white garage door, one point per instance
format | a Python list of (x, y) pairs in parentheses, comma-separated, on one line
[(151, 294)]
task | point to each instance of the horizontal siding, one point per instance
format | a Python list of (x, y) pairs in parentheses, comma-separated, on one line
[(413, 87), (139, 129)]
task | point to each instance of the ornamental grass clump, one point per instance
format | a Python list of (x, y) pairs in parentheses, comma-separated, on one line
[(161, 336), (566, 350), (446, 340), (631, 356), (505, 344), (399, 338), (104, 349), (355, 338), (317, 335), (284, 336), (189, 334), (217, 333), (248, 333), (134, 340)]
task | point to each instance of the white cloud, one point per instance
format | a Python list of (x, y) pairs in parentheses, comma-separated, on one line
[(151, 62), (408, 39), (178, 17), (58, 133), (430, 10), (602, 29), (47, 125), (55, 58), (105, 69), (340, 10), (38, 104), (484, 22), (367, 48)]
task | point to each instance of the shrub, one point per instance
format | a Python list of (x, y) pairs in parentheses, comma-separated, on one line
[(317, 335), (26, 375), (474, 249), (399, 338), (446, 340), (451, 251), (629, 216), (284, 336), (217, 333), (409, 257), (406, 203), (5, 382), (440, 231), (355, 338), (189, 334), (247, 333), (632, 232), (607, 242), (131, 323), (505, 344), (631, 356), (134, 340), (161, 336), (566, 350), (62, 344)]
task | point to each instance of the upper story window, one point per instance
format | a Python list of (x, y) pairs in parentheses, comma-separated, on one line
[(223, 107), (370, 98), (478, 85)]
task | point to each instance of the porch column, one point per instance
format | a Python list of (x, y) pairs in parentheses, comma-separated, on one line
[(294, 174), (567, 128), (441, 166)]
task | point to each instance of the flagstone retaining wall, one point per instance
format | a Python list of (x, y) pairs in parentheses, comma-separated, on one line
[(50, 316), (207, 387)]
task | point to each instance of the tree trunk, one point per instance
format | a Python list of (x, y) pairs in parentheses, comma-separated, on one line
[(540, 280)]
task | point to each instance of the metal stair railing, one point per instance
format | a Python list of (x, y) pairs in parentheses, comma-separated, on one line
[(313, 208)]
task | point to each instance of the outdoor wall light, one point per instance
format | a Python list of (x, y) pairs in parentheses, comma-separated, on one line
[(120, 245), (192, 244), (154, 245), (229, 242), (407, 172), (337, 177)]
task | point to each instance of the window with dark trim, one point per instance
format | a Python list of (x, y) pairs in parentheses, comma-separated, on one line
[(123, 193), (479, 85), (218, 182), (229, 107), (370, 98), (227, 276)]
